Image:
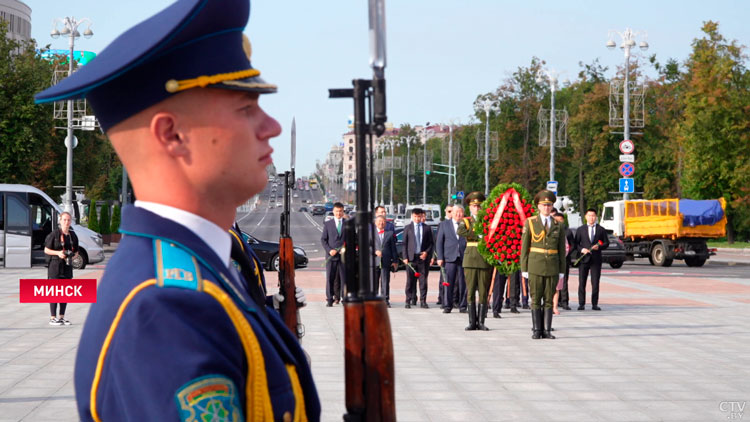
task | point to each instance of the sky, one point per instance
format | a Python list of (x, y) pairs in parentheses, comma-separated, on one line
[(441, 54)]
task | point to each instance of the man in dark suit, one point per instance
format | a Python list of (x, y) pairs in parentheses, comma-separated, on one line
[(570, 255), (418, 247), (448, 211), (333, 240), (386, 257), (450, 253), (590, 239)]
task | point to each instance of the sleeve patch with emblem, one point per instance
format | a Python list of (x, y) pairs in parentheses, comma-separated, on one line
[(209, 398)]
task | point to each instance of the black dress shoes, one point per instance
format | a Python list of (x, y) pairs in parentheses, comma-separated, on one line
[(329, 304), (525, 307), (496, 315), (408, 305), (580, 308), (423, 305), (463, 311), (596, 308), (514, 310), (446, 310), (566, 307)]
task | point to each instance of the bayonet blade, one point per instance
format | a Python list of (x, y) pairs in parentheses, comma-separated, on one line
[(294, 142)]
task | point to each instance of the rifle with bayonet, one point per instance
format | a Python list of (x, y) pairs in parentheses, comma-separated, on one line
[(288, 308), (368, 356)]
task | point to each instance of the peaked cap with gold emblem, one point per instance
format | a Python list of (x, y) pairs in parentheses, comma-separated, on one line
[(190, 44), (474, 198), (545, 197)]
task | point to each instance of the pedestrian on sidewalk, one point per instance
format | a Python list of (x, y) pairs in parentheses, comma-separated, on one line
[(61, 245)]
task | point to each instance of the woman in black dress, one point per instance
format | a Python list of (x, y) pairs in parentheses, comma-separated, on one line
[(61, 245)]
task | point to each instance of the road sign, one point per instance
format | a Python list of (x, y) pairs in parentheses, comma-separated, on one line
[(460, 194), (627, 169), (627, 185), (552, 186), (627, 158), (627, 146)]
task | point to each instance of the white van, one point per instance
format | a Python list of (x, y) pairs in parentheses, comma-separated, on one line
[(433, 213), (27, 216)]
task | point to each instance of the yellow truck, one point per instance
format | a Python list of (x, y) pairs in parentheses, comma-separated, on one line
[(663, 230)]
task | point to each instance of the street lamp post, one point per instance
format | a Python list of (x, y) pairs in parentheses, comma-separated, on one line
[(70, 28), (426, 134), (408, 140), (392, 144), (628, 41), (486, 104), (450, 160), (550, 76)]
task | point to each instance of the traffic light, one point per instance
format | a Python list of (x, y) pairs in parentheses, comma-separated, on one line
[(427, 172), (454, 196)]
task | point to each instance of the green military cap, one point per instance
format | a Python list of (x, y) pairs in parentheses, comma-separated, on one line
[(544, 197), (474, 198)]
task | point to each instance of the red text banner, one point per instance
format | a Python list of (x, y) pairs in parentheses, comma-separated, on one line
[(57, 290)]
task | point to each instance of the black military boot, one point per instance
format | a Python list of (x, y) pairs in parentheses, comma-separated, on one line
[(482, 317), (548, 324), (472, 317), (536, 321)]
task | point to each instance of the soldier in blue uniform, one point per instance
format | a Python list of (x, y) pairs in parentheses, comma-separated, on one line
[(177, 333)]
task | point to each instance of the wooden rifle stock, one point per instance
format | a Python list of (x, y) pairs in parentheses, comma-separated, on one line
[(287, 287), (288, 308)]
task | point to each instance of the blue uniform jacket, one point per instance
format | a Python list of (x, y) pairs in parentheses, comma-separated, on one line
[(174, 336)]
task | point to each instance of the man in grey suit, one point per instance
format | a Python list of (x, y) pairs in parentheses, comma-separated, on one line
[(450, 252), (386, 257), (417, 252)]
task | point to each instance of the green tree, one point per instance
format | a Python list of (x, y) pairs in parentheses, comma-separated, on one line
[(116, 215), (28, 154), (93, 218), (716, 126), (104, 221)]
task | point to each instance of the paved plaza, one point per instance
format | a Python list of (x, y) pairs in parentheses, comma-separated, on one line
[(668, 346)]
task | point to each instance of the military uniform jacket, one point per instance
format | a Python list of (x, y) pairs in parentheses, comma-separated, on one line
[(472, 258), (543, 252), (174, 336)]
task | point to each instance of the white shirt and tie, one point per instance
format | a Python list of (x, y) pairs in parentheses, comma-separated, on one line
[(338, 225)]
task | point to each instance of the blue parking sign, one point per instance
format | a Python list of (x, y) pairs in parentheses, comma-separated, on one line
[(627, 185)]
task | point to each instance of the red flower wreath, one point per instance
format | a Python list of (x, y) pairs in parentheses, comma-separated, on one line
[(500, 224)]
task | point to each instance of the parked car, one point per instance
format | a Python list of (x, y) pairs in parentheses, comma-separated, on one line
[(268, 253), (329, 206), (614, 255), (329, 216), (303, 209), (318, 210)]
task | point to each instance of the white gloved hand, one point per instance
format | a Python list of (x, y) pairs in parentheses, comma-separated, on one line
[(562, 275), (277, 299), (525, 274), (300, 295)]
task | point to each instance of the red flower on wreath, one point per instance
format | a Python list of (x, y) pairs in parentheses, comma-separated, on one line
[(500, 222)]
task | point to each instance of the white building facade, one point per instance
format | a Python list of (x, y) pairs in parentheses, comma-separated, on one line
[(17, 15)]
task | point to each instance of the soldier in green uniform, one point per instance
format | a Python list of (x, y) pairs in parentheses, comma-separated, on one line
[(476, 270), (543, 261)]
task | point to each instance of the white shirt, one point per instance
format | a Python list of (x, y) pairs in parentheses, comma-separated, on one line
[(214, 236), (455, 228)]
